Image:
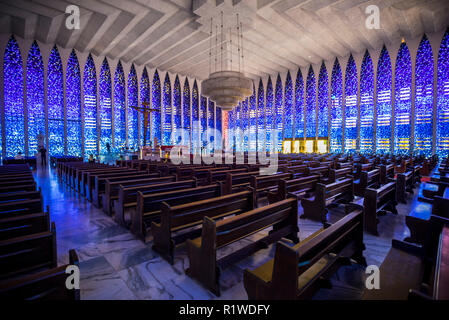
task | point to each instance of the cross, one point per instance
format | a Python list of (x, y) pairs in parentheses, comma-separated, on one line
[(146, 110)]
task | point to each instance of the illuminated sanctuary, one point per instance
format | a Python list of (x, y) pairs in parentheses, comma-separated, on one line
[(352, 96)]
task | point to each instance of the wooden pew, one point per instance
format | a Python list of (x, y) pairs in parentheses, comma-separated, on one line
[(112, 189), (99, 184), (88, 185), (148, 208), (386, 172), (404, 184), (28, 187), (413, 272), (215, 176), (21, 195), (297, 171), (45, 285), (127, 196), (362, 167), (315, 208), (88, 178), (264, 184), (181, 217), (28, 253), (336, 174), (202, 251), (298, 187), (20, 207), (418, 219), (279, 278), (22, 225), (236, 181), (376, 202), (323, 171), (429, 194), (367, 179)]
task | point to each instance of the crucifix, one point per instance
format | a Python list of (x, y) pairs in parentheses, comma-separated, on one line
[(146, 111)]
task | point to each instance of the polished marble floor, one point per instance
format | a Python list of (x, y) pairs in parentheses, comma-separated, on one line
[(116, 265)]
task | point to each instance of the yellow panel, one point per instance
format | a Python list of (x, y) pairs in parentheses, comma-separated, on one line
[(287, 147), (309, 146), (322, 146), (296, 146)]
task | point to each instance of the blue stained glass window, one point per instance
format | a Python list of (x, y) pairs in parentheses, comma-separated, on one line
[(167, 112), (219, 127), (311, 105), (203, 121), (323, 103), (177, 111), (105, 95), (231, 132), (299, 106), (186, 112), (157, 99), (367, 105), (119, 108), (195, 119), (35, 97), (403, 101), (351, 106), (269, 116), (383, 121), (90, 108), (253, 121), (238, 127), (288, 106), (211, 124), (133, 115), (424, 99), (336, 137), (145, 97), (55, 97), (13, 99), (73, 101), (443, 98), (245, 125), (260, 118), (278, 133)]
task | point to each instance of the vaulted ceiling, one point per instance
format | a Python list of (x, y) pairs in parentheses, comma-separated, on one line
[(173, 35)]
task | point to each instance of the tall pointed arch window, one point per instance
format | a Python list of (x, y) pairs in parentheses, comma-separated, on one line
[(13, 99), (55, 100), (443, 98), (336, 136), (383, 110), (403, 101), (90, 108), (299, 106), (35, 104), (119, 108), (424, 99), (105, 95), (367, 105), (323, 103), (351, 106), (73, 105)]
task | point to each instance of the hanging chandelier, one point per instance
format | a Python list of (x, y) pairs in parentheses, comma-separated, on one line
[(227, 87)]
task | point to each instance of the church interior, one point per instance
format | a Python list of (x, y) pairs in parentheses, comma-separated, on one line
[(224, 150)]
